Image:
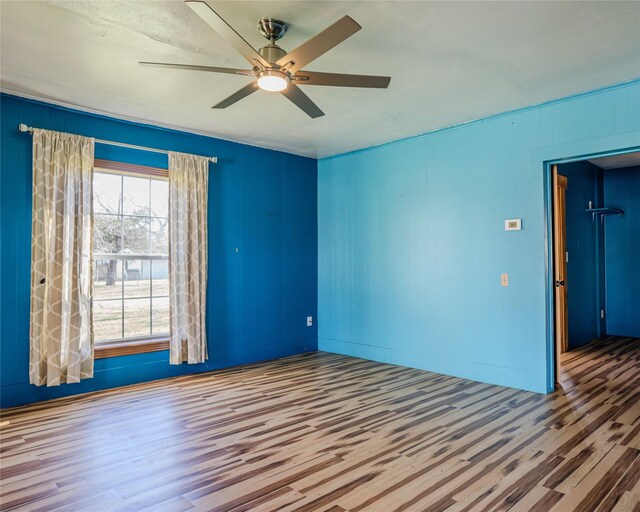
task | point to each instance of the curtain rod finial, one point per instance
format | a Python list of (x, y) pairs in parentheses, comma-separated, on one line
[(24, 128)]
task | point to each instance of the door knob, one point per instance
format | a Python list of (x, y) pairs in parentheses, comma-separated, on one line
[(559, 283)]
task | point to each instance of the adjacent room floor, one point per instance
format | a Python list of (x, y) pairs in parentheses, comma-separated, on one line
[(333, 433)]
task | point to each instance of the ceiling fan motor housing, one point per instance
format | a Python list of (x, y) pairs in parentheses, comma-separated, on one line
[(272, 53), (272, 30)]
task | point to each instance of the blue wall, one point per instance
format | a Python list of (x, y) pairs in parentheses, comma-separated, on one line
[(622, 247), (262, 202), (585, 245), (411, 239)]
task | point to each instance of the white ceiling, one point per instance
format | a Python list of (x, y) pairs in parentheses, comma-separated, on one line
[(450, 62), (617, 161)]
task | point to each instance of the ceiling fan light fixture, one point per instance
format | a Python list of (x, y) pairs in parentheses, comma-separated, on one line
[(272, 80)]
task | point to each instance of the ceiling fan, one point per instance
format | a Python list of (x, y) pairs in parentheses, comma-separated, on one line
[(275, 70)]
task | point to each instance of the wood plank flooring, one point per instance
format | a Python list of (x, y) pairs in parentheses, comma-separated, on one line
[(324, 432)]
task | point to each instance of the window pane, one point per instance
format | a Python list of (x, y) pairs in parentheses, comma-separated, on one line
[(160, 315), (106, 193), (136, 195), (137, 281), (107, 279), (107, 320), (107, 233), (136, 235), (159, 198), (137, 317), (159, 236), (130, 217), (160, 275)]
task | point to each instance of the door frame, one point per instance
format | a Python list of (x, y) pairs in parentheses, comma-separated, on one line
[(561, 325), (549, 250)]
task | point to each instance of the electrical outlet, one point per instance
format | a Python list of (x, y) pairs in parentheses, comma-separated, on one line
[(504, 279), (309, 321)]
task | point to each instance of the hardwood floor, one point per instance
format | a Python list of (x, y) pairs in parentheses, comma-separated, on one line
[(324, 432)]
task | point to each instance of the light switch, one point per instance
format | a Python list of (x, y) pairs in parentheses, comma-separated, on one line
[(504, 279), (309, 321), (513, 224)]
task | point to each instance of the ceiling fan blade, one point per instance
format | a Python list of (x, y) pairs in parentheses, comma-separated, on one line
[(302, 101), (340, 80), (215, 21), (320, 43), (211, 69), (238, 95)]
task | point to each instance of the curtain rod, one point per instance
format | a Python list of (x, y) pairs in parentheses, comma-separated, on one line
[(213, 159)]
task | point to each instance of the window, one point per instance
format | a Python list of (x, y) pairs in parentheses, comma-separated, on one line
[(130, 253)]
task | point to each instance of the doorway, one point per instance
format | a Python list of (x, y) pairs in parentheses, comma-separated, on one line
[(594, 244)]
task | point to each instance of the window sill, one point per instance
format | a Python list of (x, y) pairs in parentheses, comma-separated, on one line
[(125, 348)]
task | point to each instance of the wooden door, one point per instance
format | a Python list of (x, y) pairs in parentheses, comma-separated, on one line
[(560, 267)]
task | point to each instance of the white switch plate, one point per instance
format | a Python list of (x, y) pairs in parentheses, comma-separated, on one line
[(309, 321), (513, 224), (504, 279)]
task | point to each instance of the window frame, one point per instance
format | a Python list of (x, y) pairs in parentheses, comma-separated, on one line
[(140, 344)]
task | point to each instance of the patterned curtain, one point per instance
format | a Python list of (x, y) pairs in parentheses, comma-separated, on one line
[(61, 336), (188, 187)]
